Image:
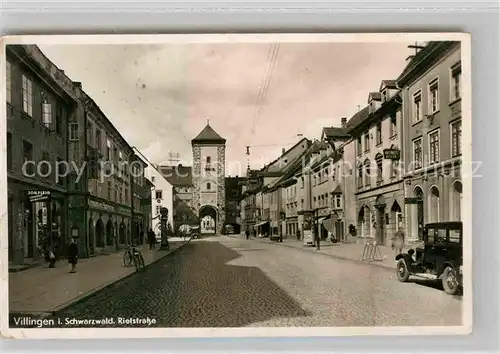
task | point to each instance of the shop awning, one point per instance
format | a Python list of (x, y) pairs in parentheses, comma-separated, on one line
[(320, 219), (261, 223), (329, 223)]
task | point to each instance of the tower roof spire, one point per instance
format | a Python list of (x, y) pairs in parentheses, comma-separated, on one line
[(208, 136)]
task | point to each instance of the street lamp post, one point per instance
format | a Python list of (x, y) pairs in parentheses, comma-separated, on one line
[(164, 224)]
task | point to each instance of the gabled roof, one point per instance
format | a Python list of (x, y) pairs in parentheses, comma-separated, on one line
[(337, 190), (178, 176), (425, 58), (376, 96), (358, 118), (392, 84), (335, 132), (270, 164), (208, 135)]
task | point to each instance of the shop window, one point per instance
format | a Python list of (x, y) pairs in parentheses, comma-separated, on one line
[(9, 151)]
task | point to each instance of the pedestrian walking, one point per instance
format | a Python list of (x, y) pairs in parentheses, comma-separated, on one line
[(73, 255), (398, 241), (51, 257), (298, 235), (317, 238), (151, 239), (247, 234)]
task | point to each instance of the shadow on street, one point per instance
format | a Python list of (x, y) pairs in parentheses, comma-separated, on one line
[(193, 288)]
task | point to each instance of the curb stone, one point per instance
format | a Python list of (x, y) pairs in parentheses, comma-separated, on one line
[(384, 266), (89, 294), (92, 292)]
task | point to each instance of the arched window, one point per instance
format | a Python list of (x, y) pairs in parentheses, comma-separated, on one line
[(456, 201), (360, 175), (380, 172), (208, 159), (434, 204), (209, 186), (367, 173)]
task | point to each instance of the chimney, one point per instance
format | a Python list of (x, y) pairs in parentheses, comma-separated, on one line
[(78, 84), (283, 151), (343, 122)]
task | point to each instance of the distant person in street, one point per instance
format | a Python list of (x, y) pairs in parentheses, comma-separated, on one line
[(317, 238), (247, 234), (399, 242), (298, 235), (151, 239), (73, 255), (254, 233)]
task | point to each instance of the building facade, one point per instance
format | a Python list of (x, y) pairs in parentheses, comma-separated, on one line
[(380, 192), (104, 214), (209, 160), (233, 193), (432, 130), (161, 194), (141, 198), (40, 98)]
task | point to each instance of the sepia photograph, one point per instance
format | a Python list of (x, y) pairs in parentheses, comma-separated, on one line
[(237, 185)]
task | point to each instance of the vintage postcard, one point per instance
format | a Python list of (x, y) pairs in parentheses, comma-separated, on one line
[(236, 185)]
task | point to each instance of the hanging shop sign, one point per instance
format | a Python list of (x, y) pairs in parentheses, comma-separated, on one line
[(38, 196), (413, 200), (100, 205), (391, 154)]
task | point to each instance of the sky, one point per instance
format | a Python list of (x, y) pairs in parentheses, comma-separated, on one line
[(159, 96)]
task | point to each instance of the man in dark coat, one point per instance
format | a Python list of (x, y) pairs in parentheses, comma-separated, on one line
[(247, 234), (151, 239), (73, 255)]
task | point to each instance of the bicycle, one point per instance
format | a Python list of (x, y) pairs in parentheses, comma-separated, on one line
[(132, 254)]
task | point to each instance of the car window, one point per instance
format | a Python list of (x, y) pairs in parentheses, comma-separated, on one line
[(430, 235), (440, 236), (455, 236)]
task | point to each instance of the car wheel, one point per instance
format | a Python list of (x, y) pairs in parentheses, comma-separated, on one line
[(402, 271), (450, 281)]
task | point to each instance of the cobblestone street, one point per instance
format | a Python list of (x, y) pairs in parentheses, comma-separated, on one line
[(226, 282)]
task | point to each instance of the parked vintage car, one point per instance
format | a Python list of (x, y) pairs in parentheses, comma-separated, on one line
[(438, 257)]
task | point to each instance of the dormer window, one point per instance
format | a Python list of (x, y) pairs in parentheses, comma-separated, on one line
[(384, 95)]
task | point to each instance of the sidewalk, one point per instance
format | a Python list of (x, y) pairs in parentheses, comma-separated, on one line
[(44, 290), (348, 251)]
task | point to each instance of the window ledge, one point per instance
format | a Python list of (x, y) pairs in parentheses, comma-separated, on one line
[(452, 102), (393, 136), (378, 144), (416, 123), (27, 116)]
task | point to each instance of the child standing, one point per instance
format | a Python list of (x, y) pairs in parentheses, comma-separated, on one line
[(73, 255)]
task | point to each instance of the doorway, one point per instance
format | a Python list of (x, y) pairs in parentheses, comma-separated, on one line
[(380, 220)]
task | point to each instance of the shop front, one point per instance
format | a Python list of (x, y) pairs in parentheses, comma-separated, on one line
[(380, 217), (109, 226), (37, 221)]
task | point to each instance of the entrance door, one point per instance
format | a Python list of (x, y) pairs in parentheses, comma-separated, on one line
[(420, 220), (380, 226)]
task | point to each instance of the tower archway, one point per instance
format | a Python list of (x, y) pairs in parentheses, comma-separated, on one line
[(208, 219)]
